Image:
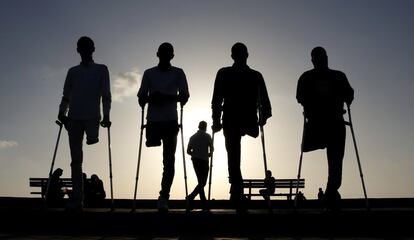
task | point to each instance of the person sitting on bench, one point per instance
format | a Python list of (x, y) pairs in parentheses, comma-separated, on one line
[(269, 184), (55, 192)]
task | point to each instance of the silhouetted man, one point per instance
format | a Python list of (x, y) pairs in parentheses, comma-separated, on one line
[(162, 87), (85, 86), (238, 93), (200, 148), (322, 93)]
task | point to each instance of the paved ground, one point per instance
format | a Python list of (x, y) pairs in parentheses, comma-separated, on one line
[(62, 237), (24, 219)]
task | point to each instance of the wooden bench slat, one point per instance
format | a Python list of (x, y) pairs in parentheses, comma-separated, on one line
[(42, 183), (288, 184)]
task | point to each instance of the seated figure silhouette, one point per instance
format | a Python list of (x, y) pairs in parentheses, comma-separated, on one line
[(55, 192), (320, 194), (322, 92), (269, 182), (95, 193), (300, 197)]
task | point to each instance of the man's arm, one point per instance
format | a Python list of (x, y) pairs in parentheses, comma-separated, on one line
[(190, 147), (183, 93), (106, 98), (143, 91), (217, 102), (266, 108), (211, 145), (348, 93), (64, 104), (300, 90)]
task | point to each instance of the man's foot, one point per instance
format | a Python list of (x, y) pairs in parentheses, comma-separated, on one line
[(332, 202), (239, 202), (241, 210), (91, 141), (74, 207), (189, 204), (206, 209), (162, 204)]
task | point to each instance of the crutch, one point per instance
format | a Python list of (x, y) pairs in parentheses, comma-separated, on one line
[(183, 152), (350, 124), (269, 203), (211, 168), (60, 124), (300, 161), (110, 167), (139, 158)]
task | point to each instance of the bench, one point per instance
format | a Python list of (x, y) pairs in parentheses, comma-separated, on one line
[(41, 184), (283, 187)]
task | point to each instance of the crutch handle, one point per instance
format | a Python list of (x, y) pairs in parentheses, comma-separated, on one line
[(59, 123)]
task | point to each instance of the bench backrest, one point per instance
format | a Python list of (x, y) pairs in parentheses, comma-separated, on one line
[(42, 182), (279, 183)]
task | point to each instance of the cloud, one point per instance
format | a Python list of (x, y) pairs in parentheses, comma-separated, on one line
[(8, 144), (125, 85)]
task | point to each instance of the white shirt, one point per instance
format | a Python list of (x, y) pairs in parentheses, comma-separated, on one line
[(200, 145), (84, 87), (170, 82)]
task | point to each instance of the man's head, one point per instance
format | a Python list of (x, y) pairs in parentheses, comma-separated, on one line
[(165, 52), (319, 57), (58, 172), (202, 126), (268, 173), (85, 46), (94, 177), (239, 53)]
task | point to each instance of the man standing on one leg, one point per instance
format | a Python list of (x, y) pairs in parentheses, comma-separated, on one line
[(162, 87), (238, 93), (322, 93), (200, 147), (85, 85)]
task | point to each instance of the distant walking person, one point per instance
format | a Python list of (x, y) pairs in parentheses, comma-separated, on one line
[(162, 87), (322, 93), (238, 90), (200, 147), (85, 86)]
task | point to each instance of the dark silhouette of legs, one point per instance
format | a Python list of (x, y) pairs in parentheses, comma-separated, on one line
[(76, 132), (201, 170), (233, 147), (335, 154), (169, 140)]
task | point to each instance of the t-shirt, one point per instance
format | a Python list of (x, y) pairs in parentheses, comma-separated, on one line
[(238, 90), (85, 85), (200, 145), (170, 85), (323, 92)]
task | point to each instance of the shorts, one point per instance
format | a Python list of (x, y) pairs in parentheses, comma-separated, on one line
[(157, 131), (76, 129)]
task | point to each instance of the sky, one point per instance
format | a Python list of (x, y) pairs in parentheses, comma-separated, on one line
[(370, 41)]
